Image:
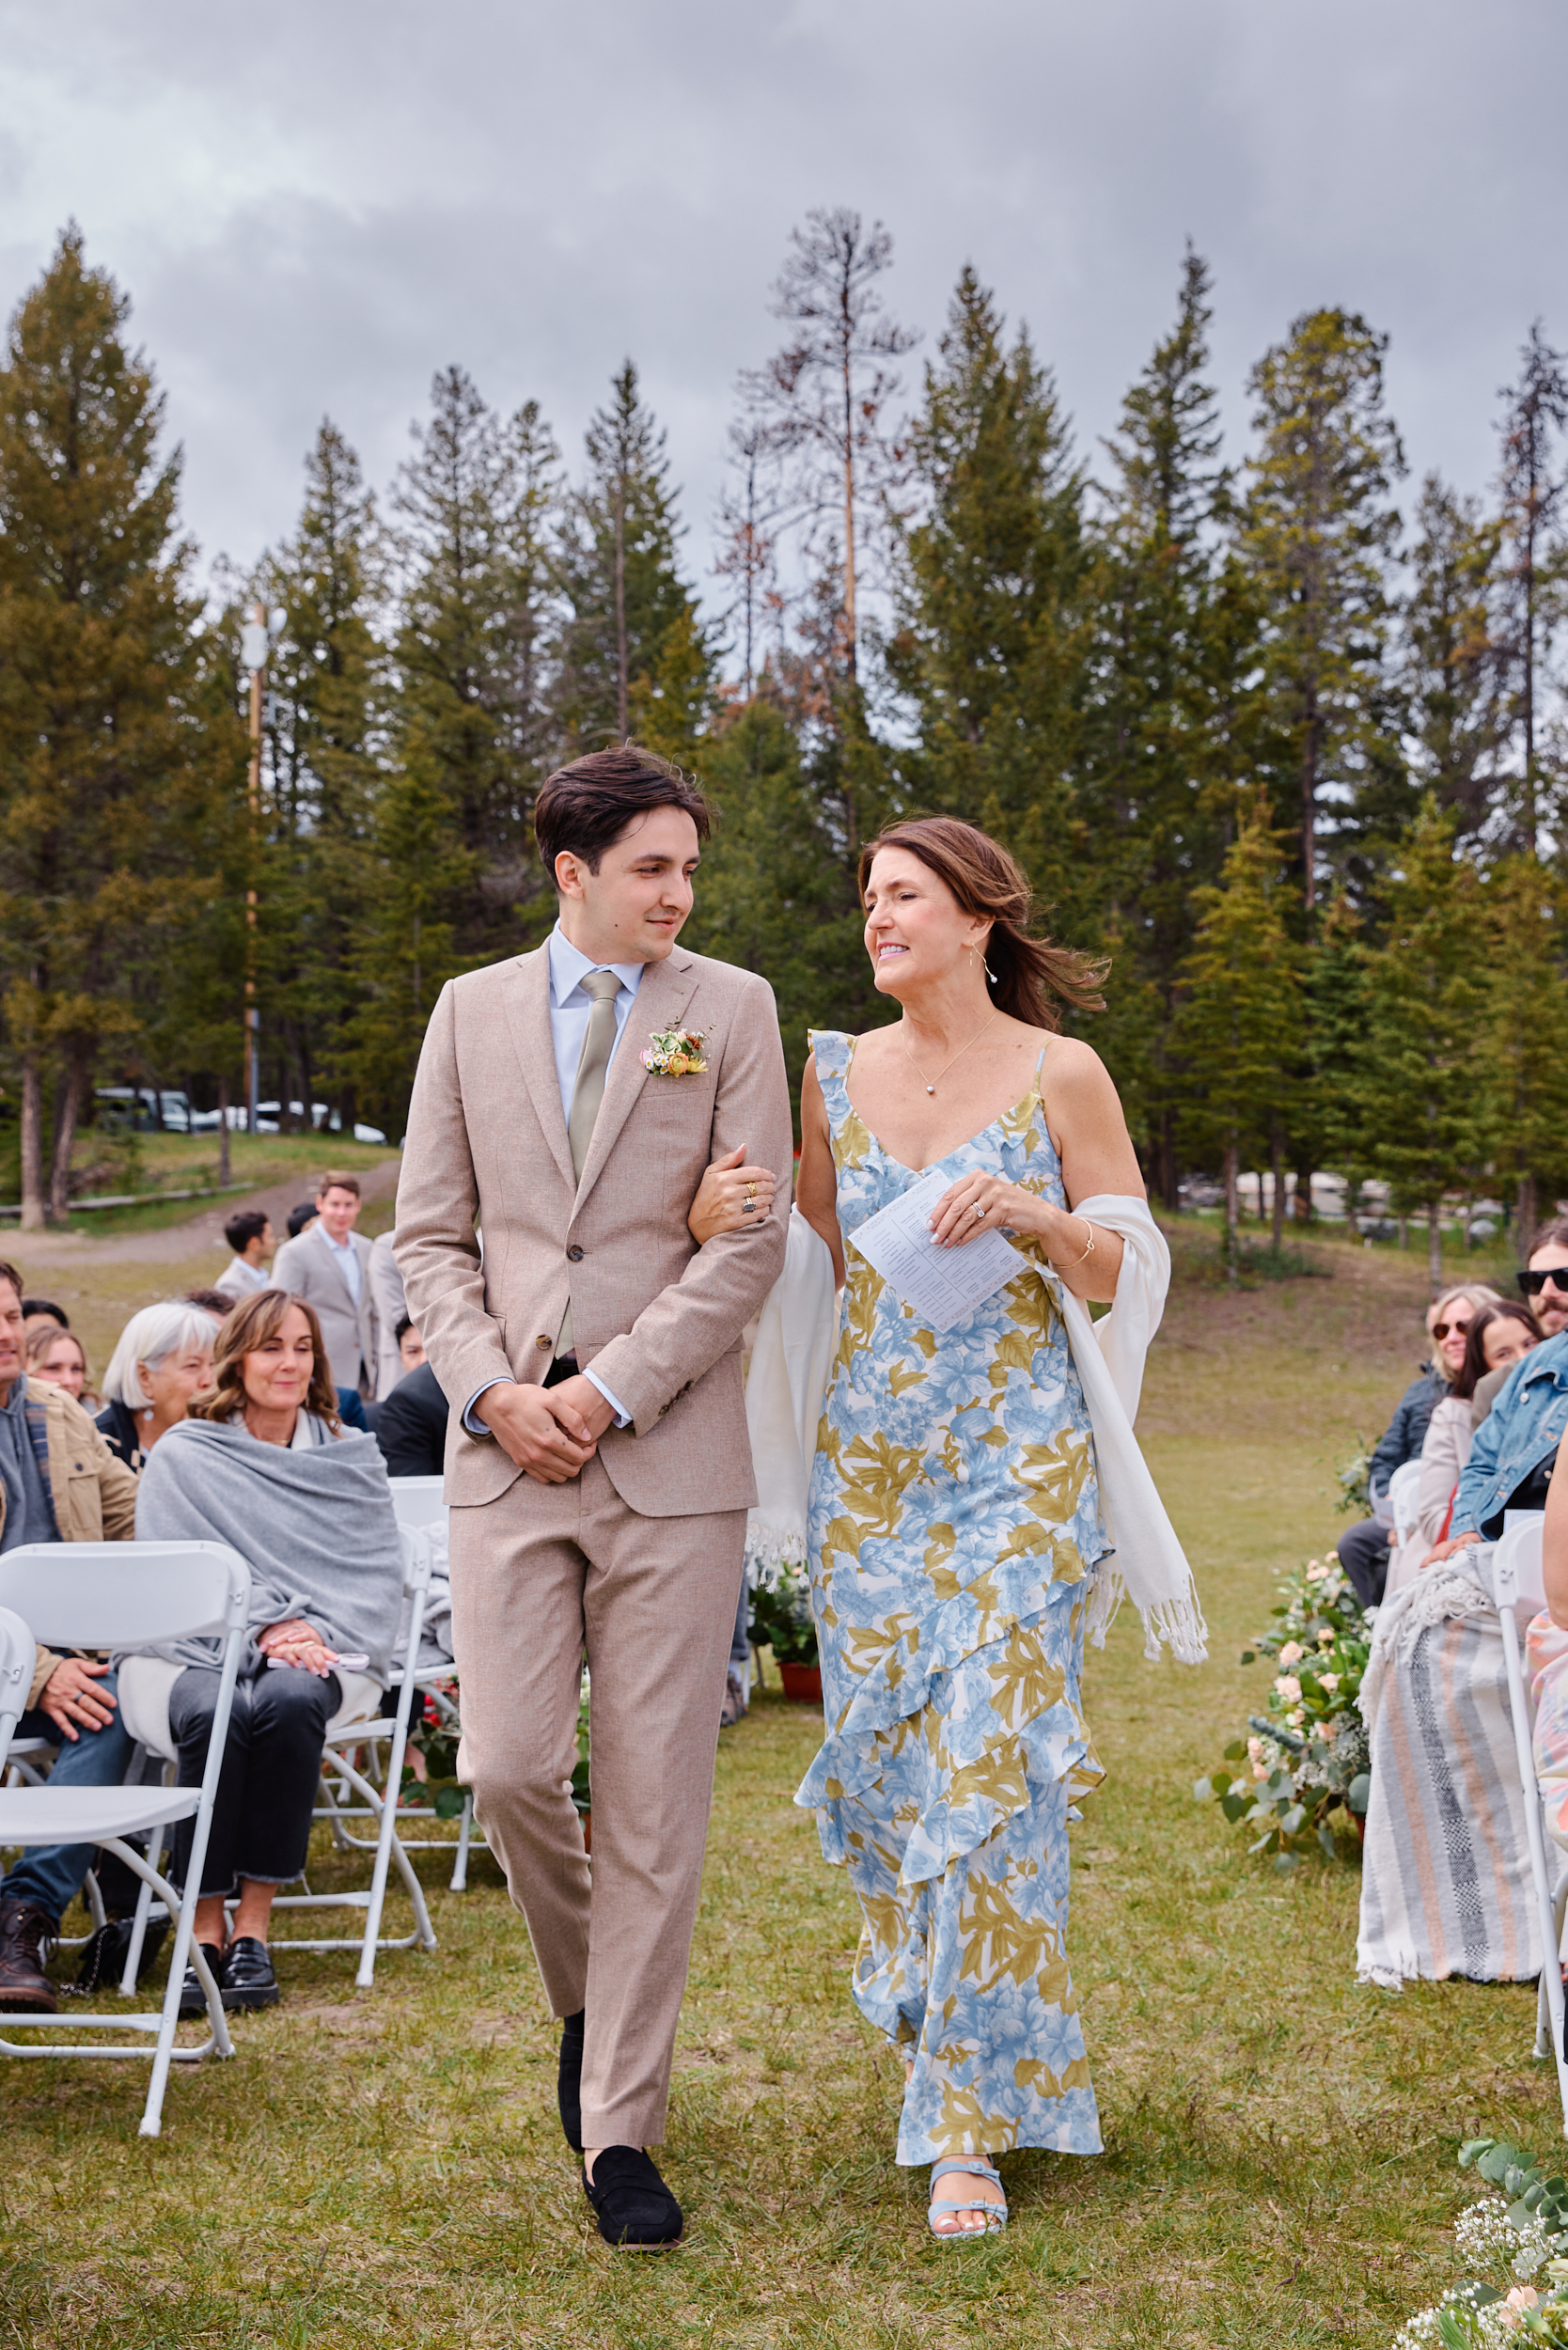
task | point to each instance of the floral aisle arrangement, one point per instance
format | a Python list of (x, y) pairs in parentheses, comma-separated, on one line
[(781, 1617), (1514, 2244), (430, 1759), (1308, 1756)]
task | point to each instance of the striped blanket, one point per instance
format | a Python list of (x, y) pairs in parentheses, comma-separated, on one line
[(1446, 1885)]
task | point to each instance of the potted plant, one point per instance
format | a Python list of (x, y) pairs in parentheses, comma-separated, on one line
[(781, 1619)]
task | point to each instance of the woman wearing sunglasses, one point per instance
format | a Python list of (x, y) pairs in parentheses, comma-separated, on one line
[(1498, 1335), (1515, 1444)]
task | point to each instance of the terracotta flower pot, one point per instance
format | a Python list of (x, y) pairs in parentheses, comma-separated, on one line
[(803, 1683)]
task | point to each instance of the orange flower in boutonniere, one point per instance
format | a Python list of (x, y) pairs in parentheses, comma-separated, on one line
[(675, 1053)]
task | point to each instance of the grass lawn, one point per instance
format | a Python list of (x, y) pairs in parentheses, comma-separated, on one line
[(385, 2166)]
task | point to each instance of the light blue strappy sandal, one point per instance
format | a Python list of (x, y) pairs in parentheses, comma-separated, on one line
[(996, 2214)]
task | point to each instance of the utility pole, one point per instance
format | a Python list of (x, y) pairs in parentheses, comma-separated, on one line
[(255, 656)]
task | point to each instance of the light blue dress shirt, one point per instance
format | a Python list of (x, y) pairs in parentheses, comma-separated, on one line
[(570, 1007), (347, 1260)]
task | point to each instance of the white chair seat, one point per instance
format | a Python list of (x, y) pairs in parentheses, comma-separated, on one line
[(85, 1815)]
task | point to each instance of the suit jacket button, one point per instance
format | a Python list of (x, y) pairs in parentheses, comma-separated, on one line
[(575, 1254), (545, 1342)]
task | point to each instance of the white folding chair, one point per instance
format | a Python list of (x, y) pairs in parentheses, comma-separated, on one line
[(1512, 1569), (129, 1595), (419, 1502), (1404, 1487), (18, 1655), (380, 1804)]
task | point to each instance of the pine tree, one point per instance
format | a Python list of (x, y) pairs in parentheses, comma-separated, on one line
[(1419, 1079), (1319, 534), (632, 638), (326, 745), (1239, 1022), (1523, 1073), (991, 628), (1532, 493), (1452, 657), (116, 753), (822, 401), (1173, 725)]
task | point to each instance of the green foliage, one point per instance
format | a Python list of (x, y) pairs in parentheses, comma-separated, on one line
[(781, 1619), (1308, 1756)]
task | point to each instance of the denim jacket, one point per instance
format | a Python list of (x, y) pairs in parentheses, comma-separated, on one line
[(1525, 1424)]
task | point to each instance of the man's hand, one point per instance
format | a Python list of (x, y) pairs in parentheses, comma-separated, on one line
[(582, 1397), (546, 1436), (68, 1695)]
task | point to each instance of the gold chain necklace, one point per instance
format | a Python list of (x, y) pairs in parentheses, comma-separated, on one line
[(958, 1056)]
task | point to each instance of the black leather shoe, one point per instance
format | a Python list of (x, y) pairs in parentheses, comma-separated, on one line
[(635, 2211), (193, 1999), (569, 2079), (247, 1978)]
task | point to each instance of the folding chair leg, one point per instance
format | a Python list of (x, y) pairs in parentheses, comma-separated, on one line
[(466, 1826), (94, 1899), (144, 1910), (1549, 1916)]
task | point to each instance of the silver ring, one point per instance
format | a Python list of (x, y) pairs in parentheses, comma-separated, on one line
[(748, 1207), (979, 1210)]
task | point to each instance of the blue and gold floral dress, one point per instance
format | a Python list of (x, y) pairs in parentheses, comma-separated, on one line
[(954, 1522)]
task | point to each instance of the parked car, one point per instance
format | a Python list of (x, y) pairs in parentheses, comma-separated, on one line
[(144, 1110)]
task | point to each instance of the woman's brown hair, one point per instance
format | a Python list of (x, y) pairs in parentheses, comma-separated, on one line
[(1473, 1370), (44, 1336), (1028, 976), (249, 1325)]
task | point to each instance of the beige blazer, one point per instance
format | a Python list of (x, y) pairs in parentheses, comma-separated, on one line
[(308, 1268), (659, 1320)]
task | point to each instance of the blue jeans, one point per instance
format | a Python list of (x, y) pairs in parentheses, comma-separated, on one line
[(51, 1875)]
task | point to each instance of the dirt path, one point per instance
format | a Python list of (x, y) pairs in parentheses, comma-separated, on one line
[(99, 1283)]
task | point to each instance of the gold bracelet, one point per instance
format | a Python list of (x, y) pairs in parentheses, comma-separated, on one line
[(1087, 1252)]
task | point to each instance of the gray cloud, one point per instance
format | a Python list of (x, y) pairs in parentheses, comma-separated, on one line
[(313, 208)]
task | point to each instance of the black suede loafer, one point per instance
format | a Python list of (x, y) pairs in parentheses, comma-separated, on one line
[(635, 2211), (569, 2079), (193, 1999), (247, 1978)]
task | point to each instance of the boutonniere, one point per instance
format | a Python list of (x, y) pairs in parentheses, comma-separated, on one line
[(675, 1053)]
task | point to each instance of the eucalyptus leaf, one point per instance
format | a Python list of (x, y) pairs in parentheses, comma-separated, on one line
[(1236, 1750), (1201, 1791), (1358, 1793)]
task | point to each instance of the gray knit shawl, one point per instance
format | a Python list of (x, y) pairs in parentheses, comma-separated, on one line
[(316, 1529)]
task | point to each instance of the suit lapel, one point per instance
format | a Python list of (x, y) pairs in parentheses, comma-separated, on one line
[(331, 1255), (527, 1000), (662, 996)]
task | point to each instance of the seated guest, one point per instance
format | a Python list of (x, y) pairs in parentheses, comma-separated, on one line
[(58, 1482), (264, 1464), (1364, 1549), (411, 1423), (1545, 1284), (301, 1219), (54, 1355), (1515, 1445), (1498, 1335), (214, 1301), (44, 1309), (163, 1356), (249, 1234)]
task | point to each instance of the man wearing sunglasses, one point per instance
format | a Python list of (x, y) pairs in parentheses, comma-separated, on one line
[(1515, 1444)]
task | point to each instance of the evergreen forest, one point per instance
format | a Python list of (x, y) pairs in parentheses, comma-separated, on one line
[(1278, 730)]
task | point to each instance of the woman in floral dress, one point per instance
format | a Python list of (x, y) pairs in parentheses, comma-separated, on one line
[(955, 1522)]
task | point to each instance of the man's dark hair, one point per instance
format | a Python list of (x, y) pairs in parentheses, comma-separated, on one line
[(8, 1272), (405, 1322), (31, 1305), (586, 807), (242, 1228), (210, 1302), (1552, 1234), (299, 1217)]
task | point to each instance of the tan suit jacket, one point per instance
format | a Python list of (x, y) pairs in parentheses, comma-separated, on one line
[(659, 1320), (307, 1267)]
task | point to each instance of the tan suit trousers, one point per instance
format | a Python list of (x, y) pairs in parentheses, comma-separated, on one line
[(540, 1575)]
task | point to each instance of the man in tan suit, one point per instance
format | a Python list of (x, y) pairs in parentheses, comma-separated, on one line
[(567, 1103), (329, 1265)]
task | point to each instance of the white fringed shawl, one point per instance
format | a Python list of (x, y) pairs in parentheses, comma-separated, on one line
[(792, 1361)]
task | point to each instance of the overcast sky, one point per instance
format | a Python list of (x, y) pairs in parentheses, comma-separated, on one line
[(315, 206)]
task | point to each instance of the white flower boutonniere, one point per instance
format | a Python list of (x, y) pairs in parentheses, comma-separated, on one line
[(675, 1053)]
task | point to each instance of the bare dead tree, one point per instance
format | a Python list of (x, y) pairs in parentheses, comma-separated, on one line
[(752, 511), (1532, 496), (821, 400)]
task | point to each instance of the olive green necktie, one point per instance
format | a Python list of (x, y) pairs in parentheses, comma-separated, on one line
[(589, 1091)]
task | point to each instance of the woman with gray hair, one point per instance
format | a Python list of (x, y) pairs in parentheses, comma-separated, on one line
[(164, 1358)]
